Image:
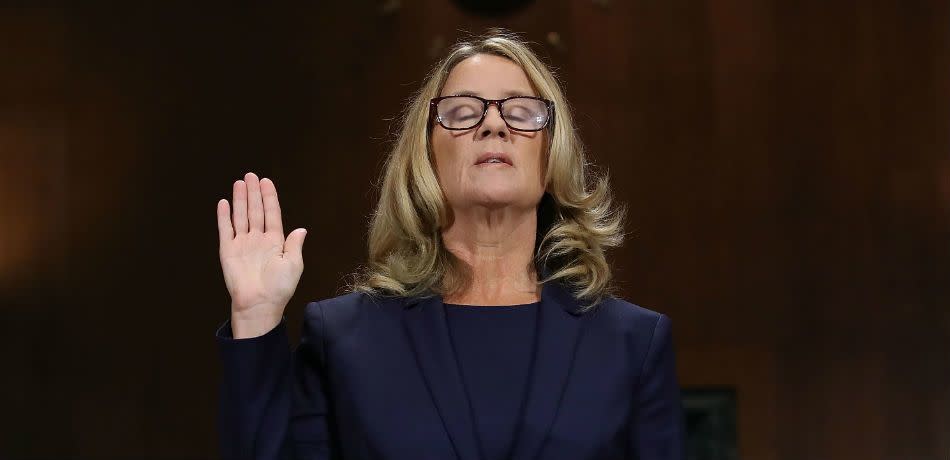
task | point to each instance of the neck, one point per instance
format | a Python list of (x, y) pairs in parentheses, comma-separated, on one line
[(498, 247)]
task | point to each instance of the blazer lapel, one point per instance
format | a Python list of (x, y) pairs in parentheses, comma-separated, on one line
[(429, 335), (558, 332)]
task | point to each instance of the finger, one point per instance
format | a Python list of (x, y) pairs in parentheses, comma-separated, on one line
[(225, 230), (293, 247), (272, 220), (255, 206), (240, 207)]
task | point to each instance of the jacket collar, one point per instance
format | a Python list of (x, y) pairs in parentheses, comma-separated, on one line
[(558, 331)]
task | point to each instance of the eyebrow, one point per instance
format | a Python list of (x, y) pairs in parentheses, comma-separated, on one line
[(476, 93)]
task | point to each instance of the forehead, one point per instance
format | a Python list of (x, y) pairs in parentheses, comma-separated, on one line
[(488, 76)]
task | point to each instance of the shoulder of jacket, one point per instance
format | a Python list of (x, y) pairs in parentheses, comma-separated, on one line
[(630, 315), (347, 306)]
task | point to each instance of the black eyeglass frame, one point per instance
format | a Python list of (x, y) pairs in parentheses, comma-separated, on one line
[(434, 111)]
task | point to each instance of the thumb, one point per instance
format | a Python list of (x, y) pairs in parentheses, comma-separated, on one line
[(293, 246)]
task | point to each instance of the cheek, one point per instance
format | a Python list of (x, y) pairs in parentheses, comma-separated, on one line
[(539, 161), (445, 157)]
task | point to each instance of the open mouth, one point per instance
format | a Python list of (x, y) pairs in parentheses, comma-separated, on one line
[(493, 158)]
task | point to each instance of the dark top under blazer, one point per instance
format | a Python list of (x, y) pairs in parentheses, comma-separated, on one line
[(494, 346), (374, 378)]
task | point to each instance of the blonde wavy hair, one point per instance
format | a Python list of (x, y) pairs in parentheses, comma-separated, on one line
[(576, 220)]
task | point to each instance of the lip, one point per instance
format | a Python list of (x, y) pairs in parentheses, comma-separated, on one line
[(485, 156)]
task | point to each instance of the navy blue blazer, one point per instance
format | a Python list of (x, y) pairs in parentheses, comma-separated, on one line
[(375, 378)]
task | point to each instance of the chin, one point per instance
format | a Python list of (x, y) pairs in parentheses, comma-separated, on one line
[(499, 197)]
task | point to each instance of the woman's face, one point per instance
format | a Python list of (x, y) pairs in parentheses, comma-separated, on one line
[(465, 180)]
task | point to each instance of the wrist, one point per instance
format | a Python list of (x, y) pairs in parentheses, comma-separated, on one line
[(245, 327)]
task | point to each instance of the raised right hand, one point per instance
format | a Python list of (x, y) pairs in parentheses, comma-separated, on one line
[(261, 268)]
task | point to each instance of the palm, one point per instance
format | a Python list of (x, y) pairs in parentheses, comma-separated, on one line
[(256, 271)]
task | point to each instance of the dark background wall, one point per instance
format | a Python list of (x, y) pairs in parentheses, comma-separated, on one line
[(785, 164)]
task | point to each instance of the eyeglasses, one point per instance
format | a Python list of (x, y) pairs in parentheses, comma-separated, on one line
[(520, 113)]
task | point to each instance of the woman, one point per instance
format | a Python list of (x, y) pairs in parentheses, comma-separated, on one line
[(481, 327)]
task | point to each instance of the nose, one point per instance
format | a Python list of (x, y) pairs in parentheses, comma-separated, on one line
[(493, 123)]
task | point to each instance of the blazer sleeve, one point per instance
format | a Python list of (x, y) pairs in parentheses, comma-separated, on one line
[(658, 431), (272, 402)]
